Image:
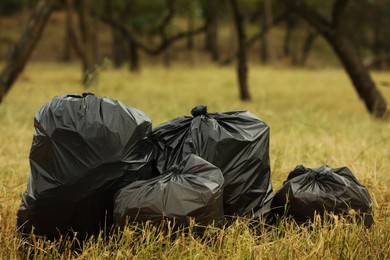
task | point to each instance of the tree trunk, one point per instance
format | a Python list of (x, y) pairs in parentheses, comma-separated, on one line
[(242, 68), (211, 36), (290, 26), (22, 51), (359, 75), (133, 56), (266, 22), (264, 50), (118, 49), (71, 34), (190, 26), (307, 46), (88, 46), (345, 50), (67, 51)]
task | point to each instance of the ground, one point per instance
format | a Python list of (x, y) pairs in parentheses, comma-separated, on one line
[(315, 117)]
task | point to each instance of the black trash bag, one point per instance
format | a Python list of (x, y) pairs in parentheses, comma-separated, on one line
[(236, 142), (85, 148), (192, 189), (308, 191)]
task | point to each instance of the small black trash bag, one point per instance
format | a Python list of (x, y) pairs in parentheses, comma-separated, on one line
[(84, 149), (236, 142), (192, 189), (308, 191)]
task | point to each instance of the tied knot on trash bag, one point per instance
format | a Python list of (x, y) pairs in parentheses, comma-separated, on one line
[(321, 172), (176, 169), (200, 110), (84, 95)]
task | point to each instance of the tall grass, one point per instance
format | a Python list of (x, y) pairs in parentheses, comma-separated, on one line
[(315, 117)]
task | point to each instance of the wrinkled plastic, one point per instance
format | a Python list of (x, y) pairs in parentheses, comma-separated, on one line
[(336, 190), (235, 142), (191, 189), (84, 149)]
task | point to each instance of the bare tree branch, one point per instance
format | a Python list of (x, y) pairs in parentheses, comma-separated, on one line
[(251, 41), (165, 41), (166, 19), (310, 14)]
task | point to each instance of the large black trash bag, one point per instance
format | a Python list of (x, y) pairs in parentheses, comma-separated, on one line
[(192, 189), (84, 149), (236, 142), (308, 191)]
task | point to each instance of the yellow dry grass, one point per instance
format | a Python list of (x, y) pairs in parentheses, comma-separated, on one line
[(315, 117)]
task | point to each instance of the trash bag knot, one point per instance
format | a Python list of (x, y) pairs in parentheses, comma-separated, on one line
[(82, 96), (200, 110), (176, 169)]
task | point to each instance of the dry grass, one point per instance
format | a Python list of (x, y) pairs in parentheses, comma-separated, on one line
[(315, 117)]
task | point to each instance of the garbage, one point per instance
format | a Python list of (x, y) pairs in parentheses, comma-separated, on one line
[(235, 142), (308, 191), (84, 149), (191, 189)]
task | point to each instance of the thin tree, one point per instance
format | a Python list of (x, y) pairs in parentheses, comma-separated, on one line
[(23, 49), (117, 42), (210, 13), (266, 22), (87, 29), (346, 51), (166, 40), (242, 67), (71, 34)]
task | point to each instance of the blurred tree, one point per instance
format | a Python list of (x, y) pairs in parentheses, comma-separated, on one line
[(311, 35), (242, 67), (23, 49), (9, 7), (210, 12), (85, 46), (298, 39), (333, 31), (140, 28), (291, 23), (373, 19), (127, 13), (190, 9), (118, 45), (71, 39), (256, 17), (89, 42), (266, 22)]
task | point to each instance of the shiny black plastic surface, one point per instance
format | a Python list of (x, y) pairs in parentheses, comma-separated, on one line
[(84, 149), (191, 189), (336, 190)]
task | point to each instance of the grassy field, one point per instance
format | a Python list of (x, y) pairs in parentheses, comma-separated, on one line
[(315, 117)]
